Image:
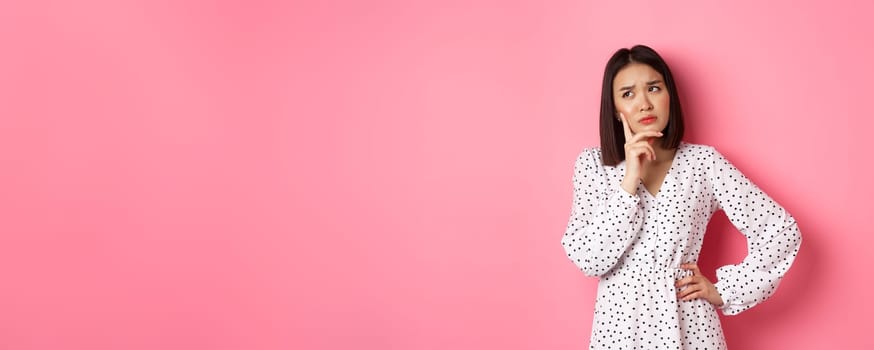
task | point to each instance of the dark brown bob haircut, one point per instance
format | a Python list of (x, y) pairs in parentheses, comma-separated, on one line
[(612, 134)]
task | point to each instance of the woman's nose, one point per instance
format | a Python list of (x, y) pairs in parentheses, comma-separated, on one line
[(646, 105)]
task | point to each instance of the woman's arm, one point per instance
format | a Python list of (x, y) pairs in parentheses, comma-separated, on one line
[(604, 219), (772, 237)]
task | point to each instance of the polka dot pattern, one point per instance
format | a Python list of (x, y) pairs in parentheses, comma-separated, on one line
[(636, 243)]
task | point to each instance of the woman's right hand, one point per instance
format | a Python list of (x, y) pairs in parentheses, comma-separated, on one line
[(638, 152)]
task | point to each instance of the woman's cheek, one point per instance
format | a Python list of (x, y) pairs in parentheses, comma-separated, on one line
[(625, 110)]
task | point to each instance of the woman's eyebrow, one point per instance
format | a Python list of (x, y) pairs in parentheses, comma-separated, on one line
[(652, 82)]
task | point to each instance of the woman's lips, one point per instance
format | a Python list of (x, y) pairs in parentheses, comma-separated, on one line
[(648, 120)]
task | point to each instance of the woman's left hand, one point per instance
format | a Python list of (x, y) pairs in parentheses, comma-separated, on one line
[(697, 286)]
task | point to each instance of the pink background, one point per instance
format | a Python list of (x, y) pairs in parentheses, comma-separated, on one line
[(390, 175)]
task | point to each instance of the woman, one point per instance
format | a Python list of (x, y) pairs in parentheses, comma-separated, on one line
[(641, 205)]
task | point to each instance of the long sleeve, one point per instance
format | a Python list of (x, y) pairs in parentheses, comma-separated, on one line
[(604, 219), (773, 238)]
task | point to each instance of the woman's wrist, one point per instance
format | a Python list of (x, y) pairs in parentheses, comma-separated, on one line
[(719, 302), (629, 185)]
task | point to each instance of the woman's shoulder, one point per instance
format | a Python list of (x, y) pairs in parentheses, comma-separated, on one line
[(699, 152), (591, 155), (705, 156), (589, 158), (697, 147)]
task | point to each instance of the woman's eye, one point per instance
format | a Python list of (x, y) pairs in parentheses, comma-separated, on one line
[(626, 94), (654, 88)]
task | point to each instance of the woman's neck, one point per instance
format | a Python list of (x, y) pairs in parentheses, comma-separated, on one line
[(663, 154)]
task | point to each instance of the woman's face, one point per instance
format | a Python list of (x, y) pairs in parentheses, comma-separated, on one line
[(640, 94)]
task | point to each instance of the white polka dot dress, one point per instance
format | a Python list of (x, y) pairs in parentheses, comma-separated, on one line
[(636, 243)]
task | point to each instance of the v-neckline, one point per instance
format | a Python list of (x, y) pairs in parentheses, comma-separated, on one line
[(667, 174)]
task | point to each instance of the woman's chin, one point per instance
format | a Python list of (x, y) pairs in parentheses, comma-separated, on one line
[(653, 127)]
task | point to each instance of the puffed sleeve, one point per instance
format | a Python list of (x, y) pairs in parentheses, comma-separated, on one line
[(604, 219), (772, 237)]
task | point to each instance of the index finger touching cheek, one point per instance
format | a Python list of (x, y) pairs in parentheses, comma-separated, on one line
[(626, 128)]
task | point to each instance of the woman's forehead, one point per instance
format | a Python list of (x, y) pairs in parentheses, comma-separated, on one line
[(634, 73)]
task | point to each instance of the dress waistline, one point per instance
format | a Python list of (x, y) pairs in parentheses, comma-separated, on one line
[(668, 272)]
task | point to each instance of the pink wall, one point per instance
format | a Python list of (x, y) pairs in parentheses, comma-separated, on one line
[(382, 175)]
